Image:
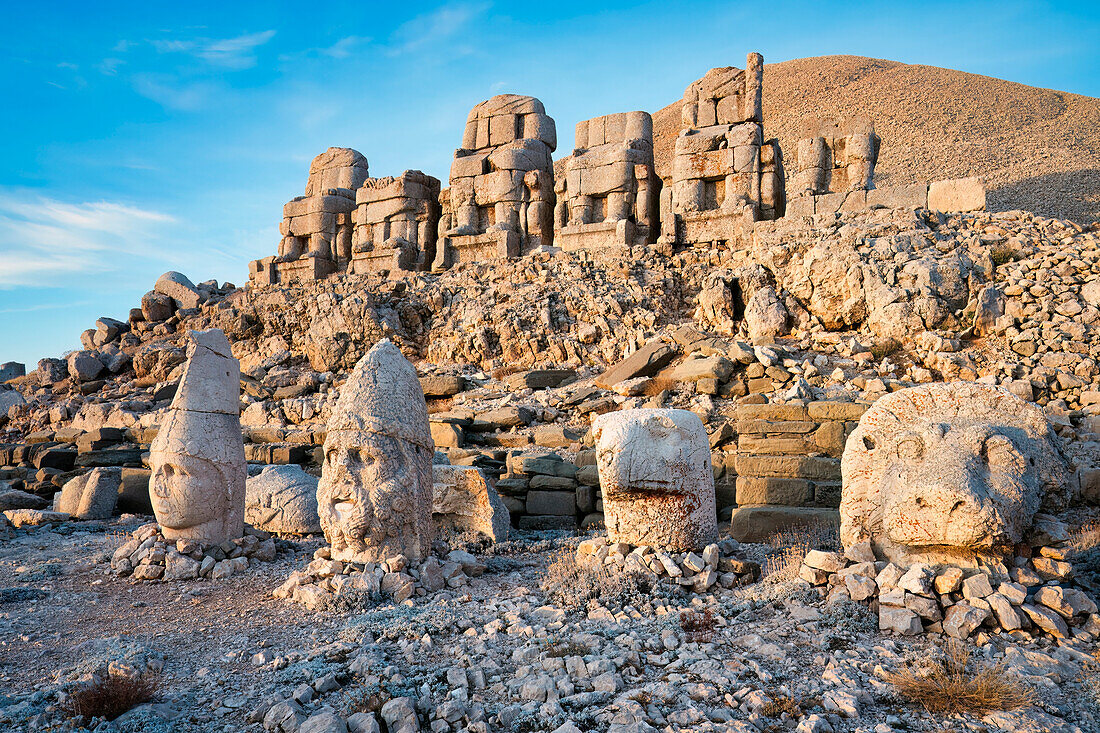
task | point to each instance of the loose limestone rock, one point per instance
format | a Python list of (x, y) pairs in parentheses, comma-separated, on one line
[(655, 474), (948, 473), (90, 496), (463, 499), (282, 499), (375, 494)]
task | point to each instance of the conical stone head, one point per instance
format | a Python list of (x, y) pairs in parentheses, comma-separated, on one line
[(375, 494), (197, 486)]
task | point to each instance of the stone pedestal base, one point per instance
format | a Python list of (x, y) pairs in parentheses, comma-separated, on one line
[(495, 244)]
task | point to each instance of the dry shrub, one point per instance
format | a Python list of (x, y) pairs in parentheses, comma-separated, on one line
[(885, 348), (1002, 254), (571, 585), (1090, 676), (559, 648), (790, 546), (780, 704), (1086, 537), (111, 695), (440, 404), (656, 386), (953, 685), (697, 625), (501, 372)]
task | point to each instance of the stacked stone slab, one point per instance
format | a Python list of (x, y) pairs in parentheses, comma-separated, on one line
[(785, 470), (500, 202), (541, 491), (610, 192), (724, 174), (317, 227), (836, 156), (396, 221)]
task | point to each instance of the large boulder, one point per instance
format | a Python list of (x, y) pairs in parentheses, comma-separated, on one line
[(282, 499), (51, 371), (90, 496), (84, 366), (157, 360), (462, 499), (9, 398), (177, 287), (765, 316), (14, 499), (949, 473), (157, 307)]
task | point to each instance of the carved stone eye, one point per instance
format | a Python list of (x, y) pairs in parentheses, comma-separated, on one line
[(911, 448), (999, 450)]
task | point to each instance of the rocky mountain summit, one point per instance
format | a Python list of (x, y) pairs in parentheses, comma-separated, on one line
[(650, 439)]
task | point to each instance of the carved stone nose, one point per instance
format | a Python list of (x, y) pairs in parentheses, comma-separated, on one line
[(945, 513)]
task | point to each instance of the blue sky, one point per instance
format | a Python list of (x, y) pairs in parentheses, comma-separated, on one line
[(141, 137)]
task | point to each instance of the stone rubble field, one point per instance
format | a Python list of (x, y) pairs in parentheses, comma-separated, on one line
[(494, 654)]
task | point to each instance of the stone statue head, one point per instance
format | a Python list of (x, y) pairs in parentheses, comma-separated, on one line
[(375, 494), (949, 473), (197, 486), (656, 478)]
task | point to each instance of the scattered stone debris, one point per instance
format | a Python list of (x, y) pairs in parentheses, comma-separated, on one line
[(149, 555)]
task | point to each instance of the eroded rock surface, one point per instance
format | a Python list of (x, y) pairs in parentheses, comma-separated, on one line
[(949, 472)]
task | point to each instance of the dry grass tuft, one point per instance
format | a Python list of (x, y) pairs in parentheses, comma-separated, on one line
[(791, 545), (558, 648), (112, 695), (1002, 254), (953, 685), (1086, 537), (697, 625), (656, 386), (501, 372), (885, 348), (780, 704), (572, 585), (440, 404)]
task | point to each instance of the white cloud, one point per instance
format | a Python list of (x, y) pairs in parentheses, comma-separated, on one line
[(428, 30), (230, 53), (42, 238), (172, 93), (344, 47)]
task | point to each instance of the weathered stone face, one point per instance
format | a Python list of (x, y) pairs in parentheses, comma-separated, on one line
[(197, 486), (949, 472), (655, 474), (375, 494)]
